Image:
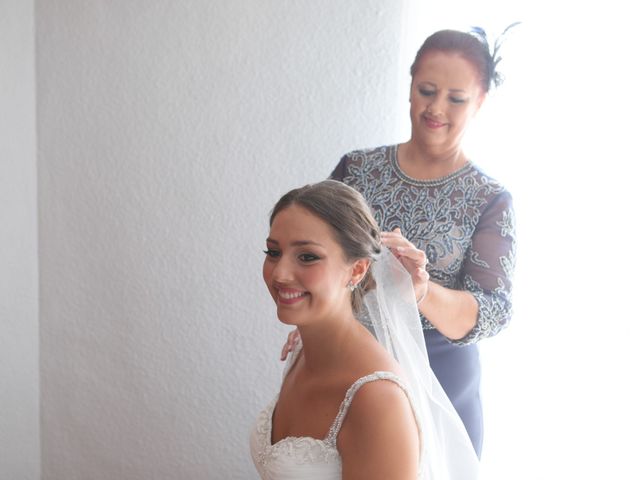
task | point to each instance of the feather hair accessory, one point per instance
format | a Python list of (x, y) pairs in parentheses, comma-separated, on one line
[(481, 35)]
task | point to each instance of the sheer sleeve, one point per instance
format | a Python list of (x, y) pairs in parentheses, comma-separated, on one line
[(341, 170), (487, 271)]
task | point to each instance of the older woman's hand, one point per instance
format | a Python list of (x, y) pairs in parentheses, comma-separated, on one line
[(412, 258), (292, 339)]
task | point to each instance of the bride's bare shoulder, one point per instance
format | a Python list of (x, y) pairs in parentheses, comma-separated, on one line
[(379, 437)]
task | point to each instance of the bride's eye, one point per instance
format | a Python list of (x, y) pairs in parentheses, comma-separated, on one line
[(272, 253), (308, 257)]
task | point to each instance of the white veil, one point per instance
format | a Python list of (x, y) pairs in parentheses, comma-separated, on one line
[(390, 310)]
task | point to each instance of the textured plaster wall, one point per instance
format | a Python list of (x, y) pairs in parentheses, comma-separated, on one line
[(19, 391), (167, 130)]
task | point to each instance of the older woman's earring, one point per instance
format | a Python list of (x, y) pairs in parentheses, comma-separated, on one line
[(351, 286)]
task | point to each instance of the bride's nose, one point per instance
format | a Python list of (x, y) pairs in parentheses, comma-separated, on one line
[(282, 271)]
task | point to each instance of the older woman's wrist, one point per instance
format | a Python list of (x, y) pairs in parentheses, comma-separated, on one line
[(423, 297)]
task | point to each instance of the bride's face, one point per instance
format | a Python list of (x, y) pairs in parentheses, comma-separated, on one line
[(305, 269)]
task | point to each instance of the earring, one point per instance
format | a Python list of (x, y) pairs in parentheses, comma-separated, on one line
[(351, 286)]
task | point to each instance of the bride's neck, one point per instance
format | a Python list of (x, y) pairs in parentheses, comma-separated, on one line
[(325, 348)]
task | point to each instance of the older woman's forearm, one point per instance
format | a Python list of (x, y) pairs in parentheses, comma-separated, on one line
[(454, 313)]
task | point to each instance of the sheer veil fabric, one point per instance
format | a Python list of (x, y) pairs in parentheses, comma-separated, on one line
[(391, 313)]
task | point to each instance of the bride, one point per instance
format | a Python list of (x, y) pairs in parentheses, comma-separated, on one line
[(358, 399)]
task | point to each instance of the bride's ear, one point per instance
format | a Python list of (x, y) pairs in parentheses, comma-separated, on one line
[(359, 270)]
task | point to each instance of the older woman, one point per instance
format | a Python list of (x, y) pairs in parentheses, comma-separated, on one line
[(450, 224)]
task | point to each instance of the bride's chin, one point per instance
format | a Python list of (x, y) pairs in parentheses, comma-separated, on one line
[(287, 320)]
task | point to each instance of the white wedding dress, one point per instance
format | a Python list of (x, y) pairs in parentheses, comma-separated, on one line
[(295, 458)]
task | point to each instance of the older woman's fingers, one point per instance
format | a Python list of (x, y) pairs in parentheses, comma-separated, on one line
[(411, 257), (412, 252), (392, 236), (292, 340), (394, 243)]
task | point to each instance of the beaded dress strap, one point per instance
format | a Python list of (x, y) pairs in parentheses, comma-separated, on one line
[(348, 398)]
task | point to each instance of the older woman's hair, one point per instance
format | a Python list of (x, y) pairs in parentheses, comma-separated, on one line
[(348, 215), (469, 47)]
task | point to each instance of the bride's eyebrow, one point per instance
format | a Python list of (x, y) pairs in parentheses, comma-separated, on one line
[(303, 243), (296, 243)]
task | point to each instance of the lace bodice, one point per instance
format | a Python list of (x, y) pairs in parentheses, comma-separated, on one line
[(305, 457), (464, 222)]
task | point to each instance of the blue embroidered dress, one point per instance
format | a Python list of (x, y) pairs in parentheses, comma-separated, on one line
[(465, 224)]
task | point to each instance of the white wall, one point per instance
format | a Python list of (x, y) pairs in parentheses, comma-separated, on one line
[(19, 391), (167, 130)]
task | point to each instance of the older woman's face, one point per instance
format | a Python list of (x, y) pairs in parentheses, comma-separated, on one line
[(445, 96)]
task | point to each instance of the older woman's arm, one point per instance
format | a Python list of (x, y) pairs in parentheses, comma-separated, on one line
[(481, 306)]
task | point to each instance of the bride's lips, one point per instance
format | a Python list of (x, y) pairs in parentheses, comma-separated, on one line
[(289, 296)]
